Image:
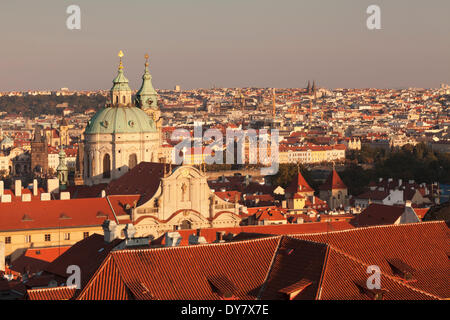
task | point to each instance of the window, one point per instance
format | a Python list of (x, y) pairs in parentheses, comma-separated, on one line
[(28, 238), (7, 240), (85, 235), (47, 237), (106, 166), (66, 236)]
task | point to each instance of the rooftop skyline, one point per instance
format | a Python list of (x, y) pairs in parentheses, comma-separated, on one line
[(201, 44)]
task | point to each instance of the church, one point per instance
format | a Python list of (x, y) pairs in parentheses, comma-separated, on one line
[(124, 132), (122, 148)]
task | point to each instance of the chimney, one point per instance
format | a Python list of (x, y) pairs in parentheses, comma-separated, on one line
[(2, 188), (35, 187), (26, 197), (109, 230), (408, 203), (129, 231), (6, 198), (45, 196), (52, 185), (400, 182), (18, 188), (103, 193), (219, 236), (194, 239), (173, 239), (64, 196)]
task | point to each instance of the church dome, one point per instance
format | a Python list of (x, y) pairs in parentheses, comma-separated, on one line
[(127, 119)]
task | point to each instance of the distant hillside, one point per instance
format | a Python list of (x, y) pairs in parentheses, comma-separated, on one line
[(34, 106)]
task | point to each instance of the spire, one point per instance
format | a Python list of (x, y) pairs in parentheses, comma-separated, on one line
[(333, 181), (120, 92), (299, 184), (147, 97)]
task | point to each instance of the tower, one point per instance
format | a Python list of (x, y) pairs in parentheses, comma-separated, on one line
[(334, 191), (39, 153), (120, 92), (79, 169), (146, 97), (64, 132), (62, 170)]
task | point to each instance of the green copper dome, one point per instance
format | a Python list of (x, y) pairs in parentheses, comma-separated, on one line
[(120, 120)]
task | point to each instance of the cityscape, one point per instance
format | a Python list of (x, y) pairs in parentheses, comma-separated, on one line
[(136, 192)]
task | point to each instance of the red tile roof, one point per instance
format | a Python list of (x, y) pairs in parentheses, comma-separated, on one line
[(423, 246), (143, 180), (378, 214), (59, 293), (184, 273), (329, 265), (88, 254), (53, 214), (333, 182), (299, 184)]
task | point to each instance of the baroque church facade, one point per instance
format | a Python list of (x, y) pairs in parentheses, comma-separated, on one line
[(124, 132)]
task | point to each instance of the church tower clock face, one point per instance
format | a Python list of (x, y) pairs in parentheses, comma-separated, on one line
[(150, 102)]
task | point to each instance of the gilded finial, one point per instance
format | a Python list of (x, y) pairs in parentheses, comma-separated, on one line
[(146, 59), (120, 56)]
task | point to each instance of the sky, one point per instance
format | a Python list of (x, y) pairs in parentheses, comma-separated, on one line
[(226, 43)]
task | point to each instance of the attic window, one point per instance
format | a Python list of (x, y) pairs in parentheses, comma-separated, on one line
[(401, 269), (374, 294), (295, 289), (223, 286), (26, 217)]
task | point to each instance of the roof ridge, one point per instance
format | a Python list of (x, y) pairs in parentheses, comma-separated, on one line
[(53, 288), (197, 245), (368, 227)]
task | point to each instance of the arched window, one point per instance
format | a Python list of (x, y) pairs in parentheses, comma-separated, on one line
[(185, 225), (106, 166), (117, 100), (124, 99), (132, 161)]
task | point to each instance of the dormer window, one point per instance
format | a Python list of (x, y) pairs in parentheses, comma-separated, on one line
[(223, 287), (292, 291), (401, 269)]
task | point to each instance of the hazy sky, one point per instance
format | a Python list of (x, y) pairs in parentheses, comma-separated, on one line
[(227, 43)]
